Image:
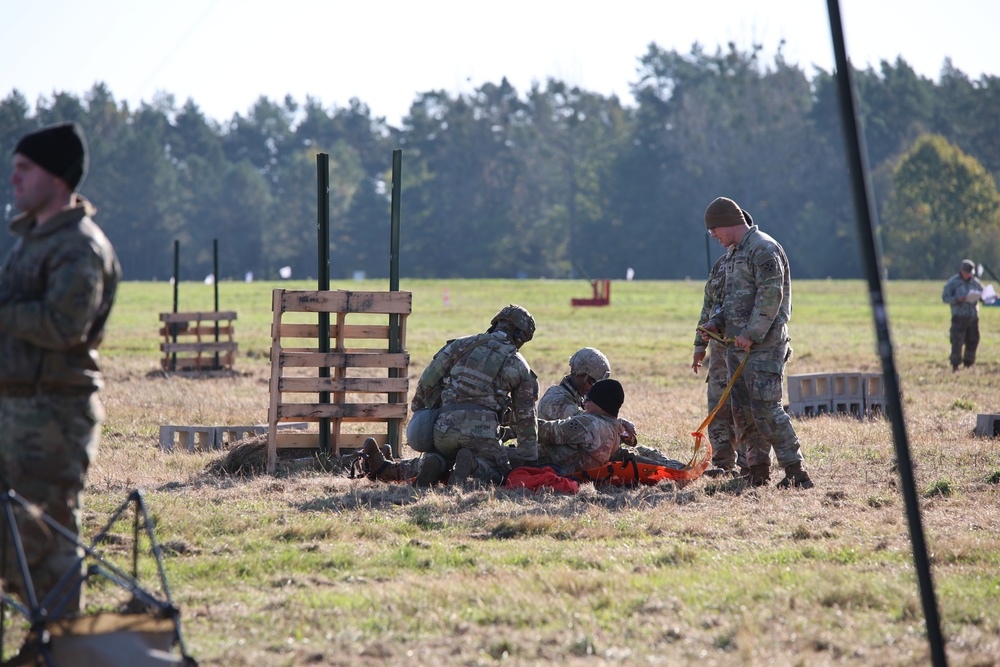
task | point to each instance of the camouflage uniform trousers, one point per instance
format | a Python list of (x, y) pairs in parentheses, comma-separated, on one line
[(761, 423), (721, 431), (475, 429), (47, 443), (964, 332)]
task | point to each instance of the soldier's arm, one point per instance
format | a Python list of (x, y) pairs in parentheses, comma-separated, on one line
[(435, 372), (523, 399), (948, 295), (63, 317), (567, 432), (769, 276)]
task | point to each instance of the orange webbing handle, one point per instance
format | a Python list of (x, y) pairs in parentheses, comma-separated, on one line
[(700, 464)]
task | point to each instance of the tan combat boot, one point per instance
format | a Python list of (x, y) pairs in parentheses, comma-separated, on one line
[(376, 466)]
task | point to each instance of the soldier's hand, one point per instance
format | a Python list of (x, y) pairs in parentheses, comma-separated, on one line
[(628, 435), (743, 343), (699, 356)]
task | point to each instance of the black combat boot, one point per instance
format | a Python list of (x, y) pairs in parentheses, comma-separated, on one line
[(796, 477), (468, 469), (759, 474), (432, 469)]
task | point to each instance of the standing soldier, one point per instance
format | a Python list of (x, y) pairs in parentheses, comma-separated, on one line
[(756, 307), (57, 287), (473, 381), (726, 455), (962, 292)]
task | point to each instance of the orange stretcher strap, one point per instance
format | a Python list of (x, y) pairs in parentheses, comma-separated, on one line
[(700, 461)]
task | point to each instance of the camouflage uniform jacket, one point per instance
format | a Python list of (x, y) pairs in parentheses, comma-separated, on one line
[(715, 289), (579, 443), (955, 288), (758, 291), (487, 370), (560, 401), (56, 290)]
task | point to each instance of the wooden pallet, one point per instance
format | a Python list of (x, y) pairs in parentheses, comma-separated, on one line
[(197, 342), (366, 366)]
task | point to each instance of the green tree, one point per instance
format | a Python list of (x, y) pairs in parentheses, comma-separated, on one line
[(944, 206)]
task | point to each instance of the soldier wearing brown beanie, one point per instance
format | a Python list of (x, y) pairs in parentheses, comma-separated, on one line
[(57, 287), (756, 307)]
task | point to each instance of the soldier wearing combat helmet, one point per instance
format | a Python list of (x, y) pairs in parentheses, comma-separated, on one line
[(472, 381), (756, 307), (586, 367)]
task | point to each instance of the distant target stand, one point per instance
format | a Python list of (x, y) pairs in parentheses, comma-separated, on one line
[(601, 292)]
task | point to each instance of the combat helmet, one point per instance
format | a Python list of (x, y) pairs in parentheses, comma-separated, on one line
[(591, 362), (519, 320)]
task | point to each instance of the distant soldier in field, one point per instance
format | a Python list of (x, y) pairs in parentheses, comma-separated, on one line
[(57, 287), (471, 382), (962, 292), (588, 439), (726, 454), (756, 307)]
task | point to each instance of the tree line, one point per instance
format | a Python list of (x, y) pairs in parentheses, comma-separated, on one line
[(550, 182)]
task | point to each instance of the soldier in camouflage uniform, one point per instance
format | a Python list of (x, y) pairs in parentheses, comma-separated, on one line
[(962, 292), (756, 307), (721, 431), (588, 439), (57, 287), (587, 366), (475, 379)]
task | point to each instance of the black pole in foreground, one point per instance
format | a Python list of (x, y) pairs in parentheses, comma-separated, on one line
[(177, 280), (215, 286), (394, 343), (872, 252), (323, 243)]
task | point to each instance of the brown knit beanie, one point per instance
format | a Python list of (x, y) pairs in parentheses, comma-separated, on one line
[(723, 212)]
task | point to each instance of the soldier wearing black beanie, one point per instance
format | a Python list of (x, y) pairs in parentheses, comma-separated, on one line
[(57, 287), (59, 149)]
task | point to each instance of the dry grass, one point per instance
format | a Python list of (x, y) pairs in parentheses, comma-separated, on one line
[(311, 567)]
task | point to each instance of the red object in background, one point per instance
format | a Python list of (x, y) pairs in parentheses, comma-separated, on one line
[(602, 295)]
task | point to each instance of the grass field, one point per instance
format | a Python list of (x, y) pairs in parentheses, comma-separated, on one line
[(315, 568)]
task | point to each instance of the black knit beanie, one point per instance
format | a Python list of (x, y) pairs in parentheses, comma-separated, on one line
[(608, 395), (59, 149)]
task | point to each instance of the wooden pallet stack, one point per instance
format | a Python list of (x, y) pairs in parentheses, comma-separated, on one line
[(363, 378), (197, 342)]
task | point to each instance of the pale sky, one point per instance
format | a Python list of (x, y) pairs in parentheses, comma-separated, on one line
[(224, 54)]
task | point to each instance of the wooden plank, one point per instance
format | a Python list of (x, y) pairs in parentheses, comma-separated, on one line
[(207, 330), (193, 348), (365, 411), (274, 389), (345, 359), (198, 316), (346, 301), (311, 440), (351, 331), (350, 385)]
